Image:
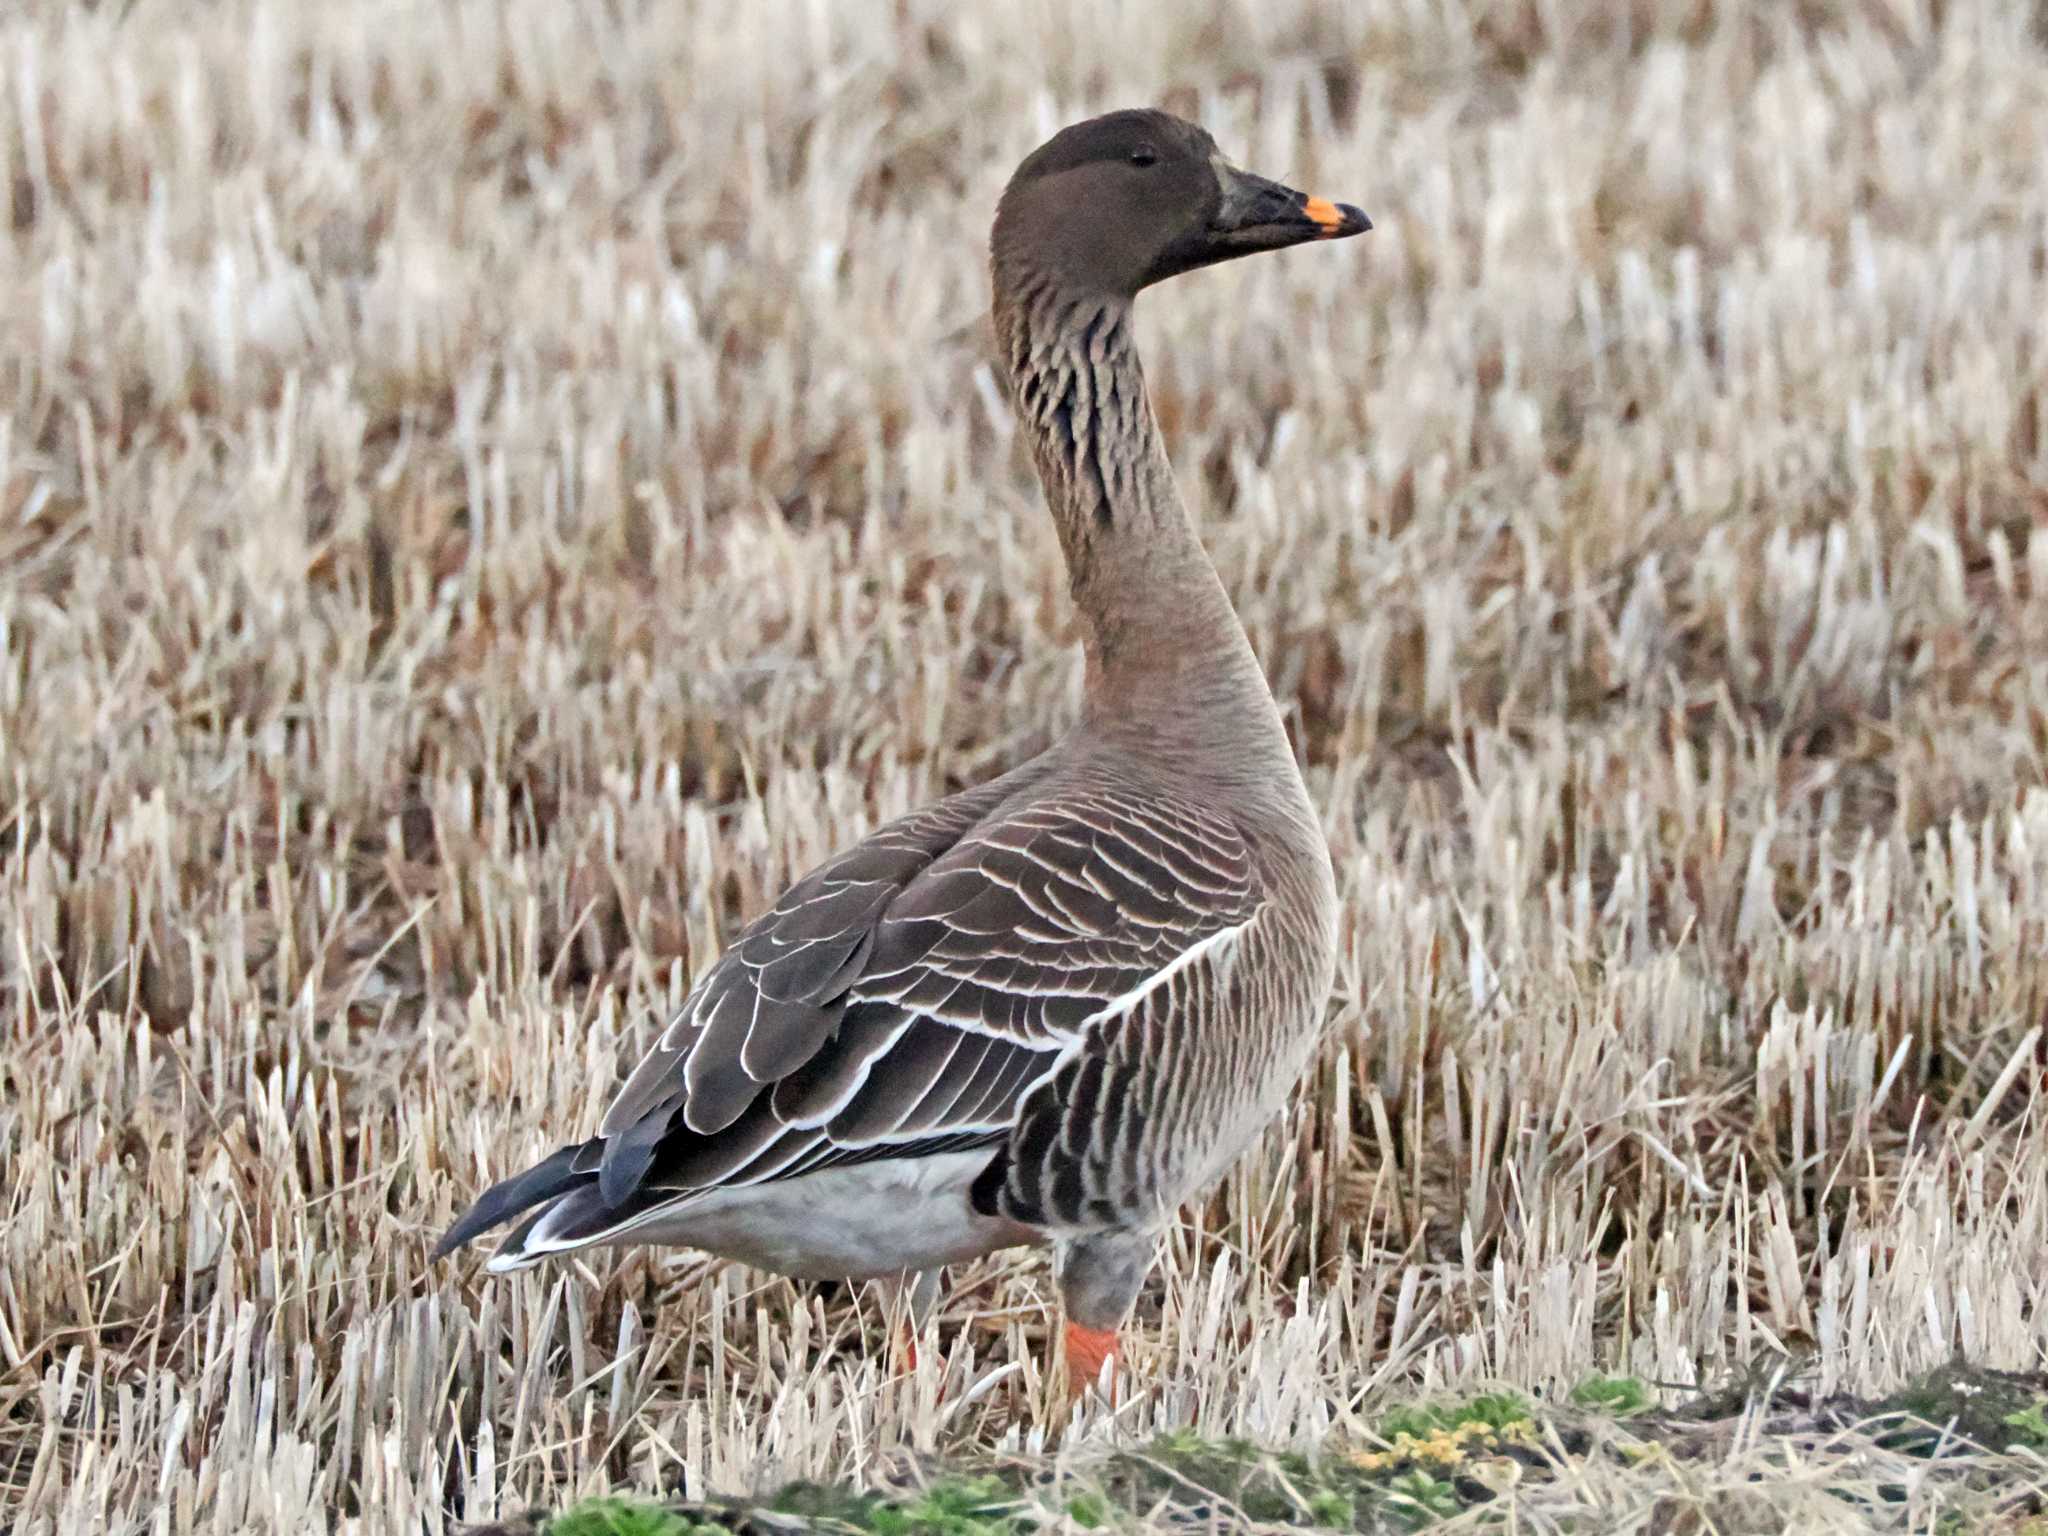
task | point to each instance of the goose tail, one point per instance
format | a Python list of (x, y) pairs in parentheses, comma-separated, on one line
[(567, 1172)]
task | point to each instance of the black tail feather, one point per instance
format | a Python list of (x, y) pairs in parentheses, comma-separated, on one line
[(569, 1169)]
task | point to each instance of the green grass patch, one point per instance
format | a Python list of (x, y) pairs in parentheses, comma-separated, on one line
[(1495, 1411), (980, 1505), (2029, 1425), (629, 1517), (1618, 1397), (1426, 1463)]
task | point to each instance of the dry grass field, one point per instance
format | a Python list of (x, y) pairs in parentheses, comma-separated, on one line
[(492, 489)]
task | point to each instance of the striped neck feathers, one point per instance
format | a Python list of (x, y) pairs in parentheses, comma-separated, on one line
[(1147, 593)]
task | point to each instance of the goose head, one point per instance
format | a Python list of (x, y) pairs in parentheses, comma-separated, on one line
[(1114, 204)]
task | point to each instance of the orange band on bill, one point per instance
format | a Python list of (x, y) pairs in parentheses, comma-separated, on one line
[(1324, 214)]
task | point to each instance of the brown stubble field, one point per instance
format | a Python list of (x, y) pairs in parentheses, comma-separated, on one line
[(489, 492)]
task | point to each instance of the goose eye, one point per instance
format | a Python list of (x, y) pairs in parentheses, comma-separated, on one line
[(1145, 155)]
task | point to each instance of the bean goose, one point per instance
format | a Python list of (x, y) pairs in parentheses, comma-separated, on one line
[(1056, 1006)]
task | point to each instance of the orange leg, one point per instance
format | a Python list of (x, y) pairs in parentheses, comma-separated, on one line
[(908, 1300), (906, 1348), (906, 1355), (1087, 1349)]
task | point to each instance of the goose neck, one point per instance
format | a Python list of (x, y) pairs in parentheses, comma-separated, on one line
[(1157, 622)]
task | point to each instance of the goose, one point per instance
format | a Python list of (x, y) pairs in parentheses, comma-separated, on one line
[(1052, 1008)]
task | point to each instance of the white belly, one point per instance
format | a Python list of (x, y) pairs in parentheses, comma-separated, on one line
[(850, 1223)]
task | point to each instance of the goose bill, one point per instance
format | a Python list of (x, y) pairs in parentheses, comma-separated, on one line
[(1262, 215)]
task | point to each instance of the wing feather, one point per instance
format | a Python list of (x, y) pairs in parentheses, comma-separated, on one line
[(928, 990)]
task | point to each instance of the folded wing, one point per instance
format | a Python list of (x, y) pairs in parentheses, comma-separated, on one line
[(903, 998)]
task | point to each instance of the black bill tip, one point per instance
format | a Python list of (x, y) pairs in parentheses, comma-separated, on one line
[(1335, 220)]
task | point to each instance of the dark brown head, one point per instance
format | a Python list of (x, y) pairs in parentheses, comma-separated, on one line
[(1116, 203)]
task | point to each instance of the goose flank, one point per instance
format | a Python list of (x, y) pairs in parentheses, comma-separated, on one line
[(1052, 1008)]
